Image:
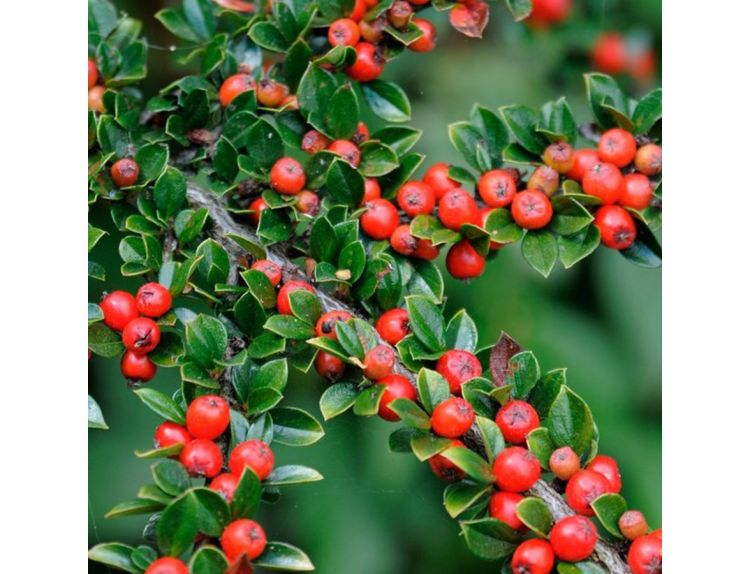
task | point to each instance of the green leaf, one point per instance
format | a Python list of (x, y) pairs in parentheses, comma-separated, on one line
[(399, 441), (267, 35), (133, 508), (199, 15), (399, 138), (579, 246), (166, 452), (170, 476), (175, 22), (410, 413), (433, 389), (264, 145), (214, 262), (460, 496), (316, 89), (188, 224), (305, 306), (501, 227), (492, 438), (488, 538), (426, 279), (558, 123), (115, 555), (94, 235), (540, 445), (467, 139), (604, 94), (292, 474), (519, 8), (539, 249), (282, 556), (177, 527), (208, 560), (570, 216), (426, 445), (169, 192), (368, 400), (295, 427), (387, 101), (377, 159), (112, 138), (162, 405), (337, 399), (523, 122), (426, 322), (608, 509), (342, 113), (104, 342), (323, 242), (471, 463), (462, 332), (102, 20), (570, 421), (647, 112), (96, 419), (225, 160), (205, 340), (345, 184), (247, 495), (523, 369), (152, 159), (546, 390), (289, 327), (533, 512), (273, 227), (645, 250)]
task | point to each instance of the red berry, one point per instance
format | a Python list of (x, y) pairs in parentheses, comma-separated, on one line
[(233, 86), (380, 219), (607, 466), (648, 159), (225, 484), (358, 12), (372, 190), (531, 209), (169, 433), (604, 181), (368, 65), (533, 556), (559, 156), (119, 309), (573, 538), (308, 202), (167, 565), (452, 418), (656, 533), (416, 197), (256, 207), (141, 335), (343, 32), (564, 462), (444, 468), (617, 147), (458, 366), (137, 367), (96, 99), (328, 366), (202, 457), (269, 269), (393, 325), (497, 188), (93, 73), (314, 141), (271, 93), (207, 416), (546, 12), (632, 524), (243, 536), (517, 419), (610, 53), (399, 13), (544, 179), (326, 325), (463, 261), (428, 40), (616, 226), (402, 241), (438, 179), (516, 469), (583, 159), (153, 300), (287, 176), (282, 299), (362, 134), (456, 208), (253, 453), (125, 172), (426, 250), (637, 191), (644, 556), (484, 214), (583, 488), (396, 387), (379, 362), (347, 150), (503, 507)]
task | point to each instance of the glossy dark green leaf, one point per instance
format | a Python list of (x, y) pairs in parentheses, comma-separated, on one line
[(523, 371), (162, 404), (608, 509), (387, 101), (345, 184), (103, 341), (246, 497), (170, 476), (399, 138), (189, 223), (292, 474), (342, 113), (647, 112), (205, 340), (540, 445), (522, 122), (282, 556), (165, 452), (575, 248), (533, 512), (546, 390), (169, 192), (426, 322), (214, 262), (467, 138), (151, 159), (645, 250), (462, 332), (289, 327), (199, 15), (323, 242), (471, 463), (492, 438), (95, 416), (112, 138), (225, 160), (367, 402), (115, 555), (267, 35), (539, 249), (600, 87), (501, 227), (274, 226), (352, 261), (460, 496), (316, 88), (264, 144), (295, 427), (208, 560), (133, 508), (305, 306), (337, 399), (433, 389), (410, 413), (425, 445), (558, 123), (494, 132), (570, 421), (488, 538), (377, 159), (426, 279)]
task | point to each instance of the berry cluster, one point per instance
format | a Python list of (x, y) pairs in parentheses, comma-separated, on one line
[(134, 318), (612, 53), (96, 90)]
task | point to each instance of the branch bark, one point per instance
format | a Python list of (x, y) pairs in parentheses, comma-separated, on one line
[(607, 555)]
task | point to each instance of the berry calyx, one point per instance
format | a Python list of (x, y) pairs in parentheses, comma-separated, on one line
[(533, 556), (604, 181), (254, 454), (396, 386), (531, 209), (141, 335), (207, 416), (497, 188), (167, 565), (648, 159), (517, 419), (225, 484), (632, 524), (368, 65), (463, 261), (326, 325), (137, 367), (444, 468), (617, 147), (607, 466), (564, 462), (347, 150), (282, 299), (125, 172), (428, 40), (616, 226), (583, 488), (287, 176), (458, 366), (438, 179), (380, 219), (393, 325), (379, 362), (202, 457), (402, 241), (452, 418), (328, 366), (119, 309), (644, 556), (573, 538), (559, 156), (169, 433), (544, 179), (343, 32), (269, 269), (233, 86), (243, 536), (503, 507), (416, 197), (456, 208), (516, 469), (583, 160), (399, 13), (637, 191), (153, 300)]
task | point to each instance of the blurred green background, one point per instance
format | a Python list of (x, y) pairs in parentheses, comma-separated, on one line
[(378, 512)]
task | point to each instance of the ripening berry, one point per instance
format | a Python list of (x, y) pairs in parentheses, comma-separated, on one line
[(616, 226), (93, 73), (402, 241), (253, 453), (379, 362), (607, 466), (269, 269), (167, 565), (632, 524), (456, 208), (125, 172), (96, 99), (604, 181), (141, 335), (516, 469), (368, 65), (314, 141), (225, 484), (503, 507), (452, 418), (328, 366), (399, 13), (637, 191), (444, 468), (393, 325), (583, 488), (428, 41), (517, 419), (546, 12), (533, 556), (648, 159), (531, 209), (372, 190), (617, 147), (343, 32), (497, 188), (256, 207), (644, 556), (207, 416), (307, 202), (169, 433), (559, 156), (463, 261), (458, 366), (426, 250), (282, 299), (289, 102), (564, 462), (544, 179), (372, 32), (153, 300), (287, 176), (380, 219), (271, 93), (119, 309), (438, 179), (233, 86), (609, 54), (396, 386), (583, 159), (137, 367), (573, 538), (202, 457), (243, 536), (415, 198), (347, 150)]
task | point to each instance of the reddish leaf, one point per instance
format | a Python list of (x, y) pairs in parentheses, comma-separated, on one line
[(501, 354), (237, 5), (241, 566), (470, 17)]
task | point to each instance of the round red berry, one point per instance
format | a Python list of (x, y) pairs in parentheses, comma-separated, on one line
[(256, 207), (141, 335), (583, 159), (438, 179), (153, 300), (415, 198), (497, 188), (503, 507), (544, 179), (233, 86), (328, 366), (96, 99), (225, 484), (457, 367), (253, 453), (452, 418), (93, 73), (167, 565), (271, 93), (463, 261), (426, 250), (604, 181), (533, 556), (607, 466), (516, 469), (444, 468), (243, 536), (632, 524), (269, 269), (517, 419), (207, 416), (393, 325), (362, 134), (137, 367), (616, 226), (347, 150), (125, 172), (656, 533), (396, 386), (359, 10), (531, 209), (648, 159), (372, 190), (610, 53), (119, 309), (368, 65), (308, 202), (287, 176), (202, 457), (456, 208), (559, 156), (583, 488), (617, 147), (282, 299), (428, 40), (169, 433), (402, 241), (314, 141), (343, 32), (573, 538), (380, 219), (564, 462), (379, 362), (637, 191), (644, 556), (326, 325)]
